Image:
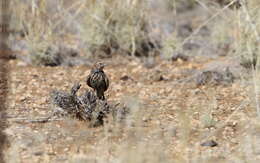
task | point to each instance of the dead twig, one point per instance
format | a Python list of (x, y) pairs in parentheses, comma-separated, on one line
[(39, 120)]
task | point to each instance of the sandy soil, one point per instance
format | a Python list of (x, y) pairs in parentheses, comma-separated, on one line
[(176, 105)]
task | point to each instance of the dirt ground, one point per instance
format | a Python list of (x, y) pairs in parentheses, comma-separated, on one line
[(170, 108)]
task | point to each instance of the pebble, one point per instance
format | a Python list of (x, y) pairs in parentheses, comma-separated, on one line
[(209, 143)]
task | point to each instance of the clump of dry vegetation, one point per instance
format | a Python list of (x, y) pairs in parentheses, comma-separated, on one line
[(99, 28), (86, 107), (109, 26), (215, 77), (247, 43)]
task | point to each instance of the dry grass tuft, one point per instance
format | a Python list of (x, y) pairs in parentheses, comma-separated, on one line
[(113, 25)]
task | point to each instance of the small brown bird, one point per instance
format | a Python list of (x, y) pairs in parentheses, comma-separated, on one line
[(98, 80)]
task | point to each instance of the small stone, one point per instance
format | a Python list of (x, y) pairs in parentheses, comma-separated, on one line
[(210, 143), (157, 76), (145, 119), (38, 153), (125, 78), (179, 57), (69, 139)]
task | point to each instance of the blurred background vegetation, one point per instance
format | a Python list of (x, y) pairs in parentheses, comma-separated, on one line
[(55, 31)]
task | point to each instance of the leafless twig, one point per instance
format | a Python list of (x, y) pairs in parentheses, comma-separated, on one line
[(38, 120)]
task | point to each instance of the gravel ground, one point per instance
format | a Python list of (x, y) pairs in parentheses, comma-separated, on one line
[(167, 107)]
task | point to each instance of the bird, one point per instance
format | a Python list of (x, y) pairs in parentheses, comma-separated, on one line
[(98, 80)]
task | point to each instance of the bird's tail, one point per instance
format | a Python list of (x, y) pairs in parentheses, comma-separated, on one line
[(100, 95)]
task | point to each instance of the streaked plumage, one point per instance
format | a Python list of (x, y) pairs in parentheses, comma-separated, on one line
[(98, 80)]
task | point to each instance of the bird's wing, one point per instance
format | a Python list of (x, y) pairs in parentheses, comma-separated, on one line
[(106, 82), (88, 80)]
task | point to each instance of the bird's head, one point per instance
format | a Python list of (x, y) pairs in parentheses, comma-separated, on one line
[(99, 66)]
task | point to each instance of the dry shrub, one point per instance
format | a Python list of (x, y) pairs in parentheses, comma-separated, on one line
[(247, 40), (111, 25), (43, 27), (33, 20), (87, 106), (102, 27), (171, 46)]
